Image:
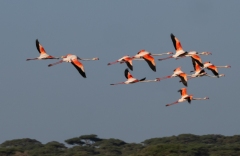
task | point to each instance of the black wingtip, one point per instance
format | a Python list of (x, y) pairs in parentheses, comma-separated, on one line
[(143, 79)]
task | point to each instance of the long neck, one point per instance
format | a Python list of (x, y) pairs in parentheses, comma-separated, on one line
[(92, 59), (213, 76), (205, 98), (160, 54), (227, 66), (138, 59), (150, 80)]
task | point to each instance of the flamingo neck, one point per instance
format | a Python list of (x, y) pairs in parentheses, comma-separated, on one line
[(227, 66), (161, 54), (150, 80)]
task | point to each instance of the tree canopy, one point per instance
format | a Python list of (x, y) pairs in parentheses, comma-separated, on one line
[(92, 145)]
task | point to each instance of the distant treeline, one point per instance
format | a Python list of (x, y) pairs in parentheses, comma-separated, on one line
[(92, 145)]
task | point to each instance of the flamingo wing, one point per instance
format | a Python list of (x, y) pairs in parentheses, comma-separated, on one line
[(189, 99), (143, 79), (202, 71), (213, 69), (79, 66), (197, 59), (150, 60), (127, 74), (183, 77), (177, 69), (183, 91), (176, 43), (40, 48), (128, 61)]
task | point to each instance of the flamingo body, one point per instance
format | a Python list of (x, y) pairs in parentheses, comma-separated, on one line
[(130, 78), (147, 57), (73, 59), (42, 52), (185, 97)]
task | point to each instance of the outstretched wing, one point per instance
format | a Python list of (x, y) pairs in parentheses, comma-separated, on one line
[(183, 77), (128, 61), (176, 43), (40, 48), (127, 74), (79, 66), (197, 59), (213, 69), (150, 60)]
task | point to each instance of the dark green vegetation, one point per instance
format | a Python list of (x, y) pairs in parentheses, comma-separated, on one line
[(91, 145)]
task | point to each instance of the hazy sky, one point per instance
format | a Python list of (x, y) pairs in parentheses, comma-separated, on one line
[(57, 103)]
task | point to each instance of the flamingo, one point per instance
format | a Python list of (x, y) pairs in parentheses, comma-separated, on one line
[(125, 59), (214, 68), (179, 50), (186, 97), (43, 54), (177, 73), (131, 79), (74, 60), (200, 72), (147, 56)]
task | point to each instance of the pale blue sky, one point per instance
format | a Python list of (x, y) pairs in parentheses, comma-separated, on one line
[(57, 103)]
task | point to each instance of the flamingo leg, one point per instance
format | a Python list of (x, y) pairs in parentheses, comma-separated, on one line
[(118, 83), (172, 103), (112, 63), (32, 59), (55, 63), (165, 58), (166, 77)]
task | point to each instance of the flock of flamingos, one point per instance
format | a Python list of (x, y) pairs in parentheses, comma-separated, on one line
[(198, 66)]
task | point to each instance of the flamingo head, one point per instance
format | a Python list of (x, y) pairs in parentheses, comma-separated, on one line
[(228, 66), (206, 53), (95, 58), (206, 98)]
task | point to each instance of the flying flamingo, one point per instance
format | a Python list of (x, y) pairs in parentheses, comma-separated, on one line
[(214, 68), (177, 73), (43, 54), (74, 60), (131, 79), (199, 72), (125, 59), (179, 50), (147, 56), (186, 97)]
